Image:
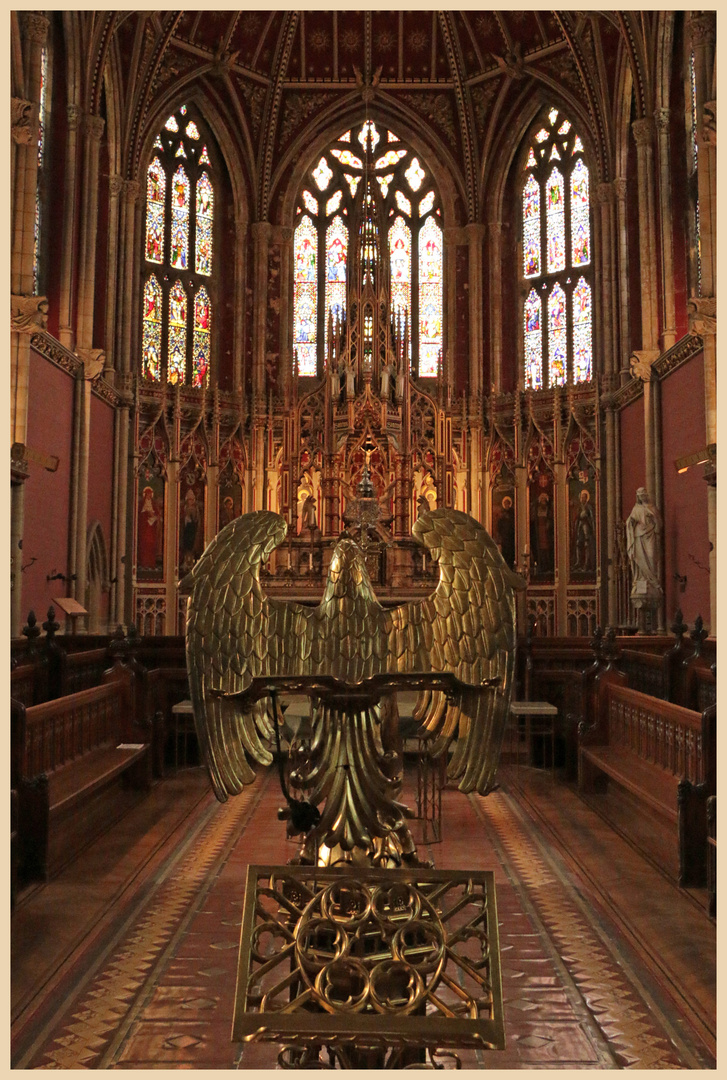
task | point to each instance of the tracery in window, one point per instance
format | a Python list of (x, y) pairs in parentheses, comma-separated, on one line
[(178, 255), (556, 241), (368, 180)]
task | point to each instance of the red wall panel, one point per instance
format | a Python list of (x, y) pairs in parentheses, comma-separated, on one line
[(633, 467), (100, 475), (686, 543), (47, 495)]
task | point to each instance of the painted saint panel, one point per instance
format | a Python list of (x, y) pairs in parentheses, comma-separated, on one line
[(503, 517), (230, 504), (191, 523), (150, 528), (542, 526), (582, 520)]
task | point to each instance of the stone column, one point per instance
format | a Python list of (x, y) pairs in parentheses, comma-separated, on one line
[(610, 616), (66, 334), (23, 132), (641, 361), (701, 33), (703, 321), (604, 196), (127, 276), (643, 135), (34, 32), (285, 369), (668, 330), (475, 236), (93, 363), (93, 130), (240, 310), (261, 242), (624, 339), (116, 186), (495, 301), (17, 522)]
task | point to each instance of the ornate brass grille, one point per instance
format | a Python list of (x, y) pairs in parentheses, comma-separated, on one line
[(402, 958)]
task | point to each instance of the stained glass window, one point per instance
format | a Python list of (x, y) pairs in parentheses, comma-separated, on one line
[(176, 343), (582, 333), (203, 231), (415, 174), (556, 237), (156, 184), (430, 297), (533, 342), (368, 131), (579, 215), (201, 339), (42, 106), (151, 346), (179, 241), (305, 308), (400, 265), (355, 227), (531, 228), (322, 174), (426, 204), (333, 203), (556, 223), (177, 347), (336, 259), (310, 202)]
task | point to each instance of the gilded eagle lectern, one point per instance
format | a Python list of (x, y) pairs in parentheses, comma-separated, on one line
[(348, 653)]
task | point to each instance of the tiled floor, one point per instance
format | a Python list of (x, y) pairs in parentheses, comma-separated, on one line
[(592, 963)]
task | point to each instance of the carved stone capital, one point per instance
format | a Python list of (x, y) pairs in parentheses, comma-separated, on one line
[(640, 363), (23, 128), (701, 29), (454, 236), (260, 232), (116, 186), (75, 115), (93, 362), (702, 315), (494, 228), (475, 233), (604, 194), (709, 125), (132, 190), (28, 313), (94, 126), (643, 131), (619, 188), (661, 120), (281, 234), (36, 28)]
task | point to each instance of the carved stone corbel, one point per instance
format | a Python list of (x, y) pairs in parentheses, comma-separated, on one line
[(23, 127), (28, 313), (93, 362), (702, 315), (641, 361)]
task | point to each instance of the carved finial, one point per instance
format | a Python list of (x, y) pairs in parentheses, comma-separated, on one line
[(31, 631), (50, 626), (678, 627), (597, 641)]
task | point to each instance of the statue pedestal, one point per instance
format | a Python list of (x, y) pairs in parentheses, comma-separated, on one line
[(645, 600)]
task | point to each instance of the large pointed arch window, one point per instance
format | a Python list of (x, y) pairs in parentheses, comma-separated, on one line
[(557, 257), (369, 162), (179, 250)]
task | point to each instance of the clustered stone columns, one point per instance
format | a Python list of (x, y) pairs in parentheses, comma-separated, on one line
[(668, 332), (606, 198), (476, 236), (27, 310), (70, 186), (701, 30), (261, 246), (93, 362)]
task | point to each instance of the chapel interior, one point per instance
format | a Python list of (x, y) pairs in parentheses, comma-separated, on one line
[(352, 267)]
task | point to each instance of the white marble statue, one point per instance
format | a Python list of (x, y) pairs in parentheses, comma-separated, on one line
[(643, 530)]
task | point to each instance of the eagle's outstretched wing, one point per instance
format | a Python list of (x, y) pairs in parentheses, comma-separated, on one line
[(234, 633), (467, 626)]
